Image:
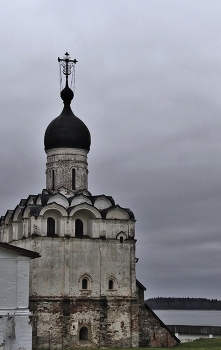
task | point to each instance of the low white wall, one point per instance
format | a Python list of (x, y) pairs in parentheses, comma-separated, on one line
[(185, 338)]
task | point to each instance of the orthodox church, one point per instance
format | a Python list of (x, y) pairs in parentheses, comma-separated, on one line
[(83, 288)]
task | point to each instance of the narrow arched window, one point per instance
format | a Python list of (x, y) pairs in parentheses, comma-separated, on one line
[(121, 239), (78, 228), (52, 178), (50, 227), (73, 179), (83, 335), (110, 284), (84, 283)]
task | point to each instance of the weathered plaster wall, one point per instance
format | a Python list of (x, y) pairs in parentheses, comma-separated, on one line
[(60, 306), (65, 261)]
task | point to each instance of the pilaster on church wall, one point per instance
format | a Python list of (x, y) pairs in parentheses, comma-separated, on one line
[(62, 226), (26, 230), (35, 227), (68, 230), (131, 228), (15, 231), (101, 229), (70, 227), (98, 228), (81, 178), (89, 227), (3, 233), (6, 234), (133, 270), (102, 268), (25, 227), (43, 226)]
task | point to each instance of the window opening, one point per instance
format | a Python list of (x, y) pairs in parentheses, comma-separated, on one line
[(85, 283), (110, 284), (50, 227), (83, 333), (121, 239), (78, 228), (52, 179), (73, 179)]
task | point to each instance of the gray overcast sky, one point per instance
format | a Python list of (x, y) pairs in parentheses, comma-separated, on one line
[(148, 86)]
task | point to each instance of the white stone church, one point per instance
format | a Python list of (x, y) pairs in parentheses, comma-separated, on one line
[(83, 288)]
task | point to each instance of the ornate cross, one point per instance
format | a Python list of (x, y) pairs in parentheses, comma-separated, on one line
[(67, 65)]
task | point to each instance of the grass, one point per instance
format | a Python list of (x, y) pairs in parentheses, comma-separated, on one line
[(199, 344)]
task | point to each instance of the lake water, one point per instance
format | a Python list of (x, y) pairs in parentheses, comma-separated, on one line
[(190, 317)]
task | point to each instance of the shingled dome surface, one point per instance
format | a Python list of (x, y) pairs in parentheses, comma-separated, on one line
[(67, 130)]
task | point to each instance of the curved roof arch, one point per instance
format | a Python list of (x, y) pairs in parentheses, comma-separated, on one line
[(85, 206), (54, 206), (58, 198), (18, 210), (8, 216), (80, 199), (117, 212)]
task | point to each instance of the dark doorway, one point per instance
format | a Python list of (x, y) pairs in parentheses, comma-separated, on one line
[(83, 333), (50, 227), (78, 228)]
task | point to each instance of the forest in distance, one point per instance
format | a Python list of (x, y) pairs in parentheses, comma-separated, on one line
[(161, 303)]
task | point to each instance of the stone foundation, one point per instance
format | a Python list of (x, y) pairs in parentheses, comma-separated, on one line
[(57, 323)]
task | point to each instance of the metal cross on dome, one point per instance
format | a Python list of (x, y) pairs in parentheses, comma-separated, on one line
[(67, 66)]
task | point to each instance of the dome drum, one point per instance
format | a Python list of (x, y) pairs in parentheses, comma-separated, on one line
[(67, 167)]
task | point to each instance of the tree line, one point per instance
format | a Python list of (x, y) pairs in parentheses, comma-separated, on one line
[(161, 303)]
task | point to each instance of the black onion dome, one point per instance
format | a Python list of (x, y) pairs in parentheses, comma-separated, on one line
[(67, 130)]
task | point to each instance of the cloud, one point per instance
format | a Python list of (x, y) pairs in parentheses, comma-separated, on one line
[(148, 88)]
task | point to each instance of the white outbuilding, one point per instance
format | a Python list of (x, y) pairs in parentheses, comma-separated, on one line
[(15, 327)]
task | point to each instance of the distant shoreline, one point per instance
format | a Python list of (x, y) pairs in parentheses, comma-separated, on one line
[(161, 303)]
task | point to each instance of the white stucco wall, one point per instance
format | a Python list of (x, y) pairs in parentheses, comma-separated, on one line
[(15, 328)]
